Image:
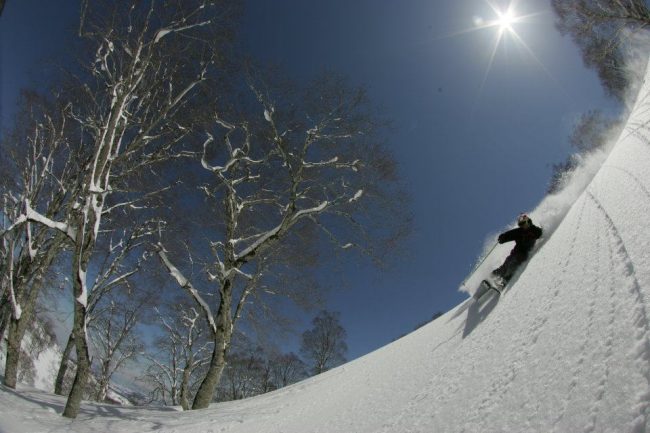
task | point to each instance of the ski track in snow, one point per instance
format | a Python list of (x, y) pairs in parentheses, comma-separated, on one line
[(603, 367), (606, 278), (579, 365), (544, 313), (484, 417), (642, 349)]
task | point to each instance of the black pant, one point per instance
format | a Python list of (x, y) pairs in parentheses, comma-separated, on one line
[(509, 267)]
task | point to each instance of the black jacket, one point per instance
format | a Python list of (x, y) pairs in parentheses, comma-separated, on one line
[(524, 238)]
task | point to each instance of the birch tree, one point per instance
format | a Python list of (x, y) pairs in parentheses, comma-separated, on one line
[(114, 337), (45, 177), (117, 302), (183, 350), (288, 163), (121, 256), (287, 368), (252, 370), (324, 344), (244, 375), (132, 108)]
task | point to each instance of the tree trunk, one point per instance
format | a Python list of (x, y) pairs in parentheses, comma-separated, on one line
[(103, 390), (185, 386), (5, 314), (16, 333), (84, 245), (221, 337), (104, 380), (83, 362), (30, 289), (13, 354), (63, 368), (205, 392)]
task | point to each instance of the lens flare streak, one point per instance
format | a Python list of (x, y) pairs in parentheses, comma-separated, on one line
[(504, 22)]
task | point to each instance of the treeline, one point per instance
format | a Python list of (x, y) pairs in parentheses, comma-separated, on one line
[(177, 367)]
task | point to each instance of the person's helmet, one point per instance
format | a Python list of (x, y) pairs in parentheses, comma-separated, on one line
[(524, 220)]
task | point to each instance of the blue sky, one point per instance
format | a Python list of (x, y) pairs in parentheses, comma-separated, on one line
[(475, 139), (475, 146)]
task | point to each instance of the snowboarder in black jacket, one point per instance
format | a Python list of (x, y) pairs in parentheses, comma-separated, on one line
[(524, 236)]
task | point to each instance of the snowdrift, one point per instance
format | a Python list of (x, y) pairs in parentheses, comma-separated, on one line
[(565, 349)]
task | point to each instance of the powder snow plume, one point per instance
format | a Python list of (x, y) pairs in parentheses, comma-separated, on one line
[(554, 207)]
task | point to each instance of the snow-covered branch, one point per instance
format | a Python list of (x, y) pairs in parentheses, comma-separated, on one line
[(236, 155), (185, 284), (32, 215), (139, 199), (165, 31)]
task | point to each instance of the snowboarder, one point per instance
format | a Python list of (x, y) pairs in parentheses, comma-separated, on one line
[(524, 236)]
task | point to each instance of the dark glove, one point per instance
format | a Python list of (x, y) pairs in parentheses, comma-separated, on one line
[(501, 240)]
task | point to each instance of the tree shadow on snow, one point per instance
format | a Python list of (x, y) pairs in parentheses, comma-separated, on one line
[(51, 404), (56, 404)]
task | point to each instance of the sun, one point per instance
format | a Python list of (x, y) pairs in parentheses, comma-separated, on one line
[(503, 20), (503, 23), (506, 19)]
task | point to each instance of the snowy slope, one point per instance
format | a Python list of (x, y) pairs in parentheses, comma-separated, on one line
[(565, 349)]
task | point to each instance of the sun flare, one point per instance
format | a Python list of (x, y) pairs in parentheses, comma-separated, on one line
[(504, 24), (506, 19)]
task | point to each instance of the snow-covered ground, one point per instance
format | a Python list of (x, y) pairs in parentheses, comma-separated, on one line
[(565, 349)]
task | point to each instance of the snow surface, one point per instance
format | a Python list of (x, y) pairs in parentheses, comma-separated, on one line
[(565, 349)]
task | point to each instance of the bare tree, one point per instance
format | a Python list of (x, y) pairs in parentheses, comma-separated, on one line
[(601, 30), (245, 373), (287, 368), (251, 370), (324, 344), (288, 165), (45, 177), (120, 258), (131, 109), (182, 352), (114, 335)]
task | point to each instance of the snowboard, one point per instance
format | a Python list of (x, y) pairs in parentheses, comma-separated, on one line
[(484, 288)]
